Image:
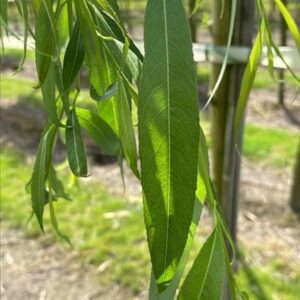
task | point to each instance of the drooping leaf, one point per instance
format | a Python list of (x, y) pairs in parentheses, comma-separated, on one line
[(291, 24), (168, 134), (248, 77), (206, 277), (55, 224), (44, 41), (125, 127), (75, 147), (49, 98), (57, 185), (22, 7), (99, 130), (39, 174), (170, 292), (112, 90), (101, 71), (3, 17), (73, 58)]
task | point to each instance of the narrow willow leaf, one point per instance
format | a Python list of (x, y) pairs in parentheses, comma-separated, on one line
[(168, 134), (125, 127), (170, 292), (99, 130), (249, 76), (226, 56), (44, 42), (117, 33), (101, 74), (40, 171), (3, 14), (75, 147), (55, 224), (112, 91), (73, 58), (291, 24), (22, 7), (206, 277), (49, 98), (107, 111), (57, 185)]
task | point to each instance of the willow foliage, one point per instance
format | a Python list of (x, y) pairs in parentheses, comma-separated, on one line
[(161, 86)]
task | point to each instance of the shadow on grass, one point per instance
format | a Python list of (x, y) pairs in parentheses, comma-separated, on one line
[(252, 280)]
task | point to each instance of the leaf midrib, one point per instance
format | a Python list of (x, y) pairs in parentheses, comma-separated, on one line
[(208, 265), (169, 135)]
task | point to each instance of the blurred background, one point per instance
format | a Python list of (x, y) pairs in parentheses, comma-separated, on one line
[(109, 258)]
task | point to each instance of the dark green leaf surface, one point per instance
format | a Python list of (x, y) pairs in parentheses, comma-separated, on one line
[(169, 135), (170, 292), (44, 41), (99, 130), (125, 127), (73, 59), (40, 171), (75, 147), (49, 98), (206, 277), (57, 185)]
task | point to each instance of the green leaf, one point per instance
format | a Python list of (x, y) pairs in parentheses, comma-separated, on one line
[(170, 292), (49, 98), (57, 185), (44, 41), (101, 73), (112, 90), (206, 277), (125, 127), (3, 17), (249, 76), (22, 7), (73, 58), (75, 147), (39, 174), (168, 116), (292, 26), (99, 130)]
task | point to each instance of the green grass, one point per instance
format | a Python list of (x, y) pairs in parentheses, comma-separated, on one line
[(100, 236), (270, 146), (91, 221)]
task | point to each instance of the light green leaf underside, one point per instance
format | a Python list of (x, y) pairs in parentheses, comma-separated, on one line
[(99, 130), (249, 76), (169, 135), (205, 279)]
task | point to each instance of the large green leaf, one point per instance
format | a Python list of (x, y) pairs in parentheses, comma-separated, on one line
[(99, 130), (170, 292), (39, 174), (206, 277), (75, 147), (169, 135), (73, 59)]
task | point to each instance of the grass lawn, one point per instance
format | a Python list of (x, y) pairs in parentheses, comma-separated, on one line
[(107, 230)]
